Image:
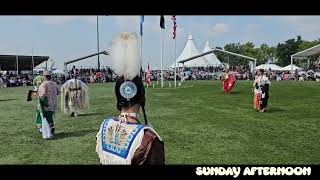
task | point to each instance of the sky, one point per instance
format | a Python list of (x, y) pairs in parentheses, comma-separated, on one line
[(65, 38)]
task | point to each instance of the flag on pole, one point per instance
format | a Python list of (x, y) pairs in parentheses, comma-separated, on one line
[(162, 27), (162, 22), (148, 76), (141, 25), (174, 26)]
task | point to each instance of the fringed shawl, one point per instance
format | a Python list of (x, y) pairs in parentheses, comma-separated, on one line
[(66, 91)]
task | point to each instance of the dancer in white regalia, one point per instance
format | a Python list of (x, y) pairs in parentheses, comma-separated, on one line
[(74, 97)]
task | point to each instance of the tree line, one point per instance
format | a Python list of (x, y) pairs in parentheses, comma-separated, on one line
[(279, 54)]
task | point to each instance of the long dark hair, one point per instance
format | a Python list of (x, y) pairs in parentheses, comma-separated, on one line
[(139, 98)]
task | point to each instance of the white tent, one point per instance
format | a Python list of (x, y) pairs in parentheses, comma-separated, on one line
[(58, 71), (211, 58), (189, 51), (41, 69), (288, 68), (315, 50), (273, 67)]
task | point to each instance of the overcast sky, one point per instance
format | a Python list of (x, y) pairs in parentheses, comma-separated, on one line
[(67, 37)]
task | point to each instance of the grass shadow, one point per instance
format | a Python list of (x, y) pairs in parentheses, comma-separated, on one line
[(81, 133), (274, 110), (91, 114), (234, 92), (7, 99)]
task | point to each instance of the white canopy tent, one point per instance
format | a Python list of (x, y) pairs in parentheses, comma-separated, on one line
[(211, 58), (288, 68), (304, 55), (190, 50), (58, 71), (273, 67)]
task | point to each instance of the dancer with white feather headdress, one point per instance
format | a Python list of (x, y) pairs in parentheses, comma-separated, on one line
[(124, 139), (74, 96)]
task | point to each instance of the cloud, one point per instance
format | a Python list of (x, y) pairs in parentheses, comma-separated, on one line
[(92, 19), (55, 20), (127, 23), (251, 33), (24, 17), (267, 17), (304, 24), (252, 28), (59, 20), (218, 29)]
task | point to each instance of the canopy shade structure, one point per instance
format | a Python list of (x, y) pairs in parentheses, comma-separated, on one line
[(82, 58), (220, 50), (190, 50), (315, 50), (9, 62), (85, 57), (273, 67), (308, 52), (288, 68), (211, 58)]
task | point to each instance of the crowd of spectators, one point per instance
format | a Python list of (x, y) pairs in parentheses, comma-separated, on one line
[(195, 73)]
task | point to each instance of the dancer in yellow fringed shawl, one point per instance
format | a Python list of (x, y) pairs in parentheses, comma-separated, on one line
[(74, 97)]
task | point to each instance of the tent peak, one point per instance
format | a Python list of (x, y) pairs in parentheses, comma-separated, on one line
[(207, 43)]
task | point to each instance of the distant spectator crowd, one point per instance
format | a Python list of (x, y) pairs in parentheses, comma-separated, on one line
[(196, 73)]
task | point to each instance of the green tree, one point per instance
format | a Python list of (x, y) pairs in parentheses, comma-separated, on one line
[(286, 49), (267, 52), (226, 58)]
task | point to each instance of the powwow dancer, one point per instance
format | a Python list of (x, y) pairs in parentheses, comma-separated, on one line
[(37, 81), (47, 92), (261, 91), (124, 139), (2, 82), (228, 81), (74, 96)]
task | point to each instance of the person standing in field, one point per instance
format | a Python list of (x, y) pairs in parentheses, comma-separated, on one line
[(228, 81), (47, 93), (261, 91), (123, 139)]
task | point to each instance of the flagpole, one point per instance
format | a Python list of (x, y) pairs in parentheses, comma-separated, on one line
[(161, 57), (32, 62), (175, 63), (148, 72), (141, 49), (17, 62), (98, 42)]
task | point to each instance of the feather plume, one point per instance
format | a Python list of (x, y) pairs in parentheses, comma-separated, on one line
[(125, 55)]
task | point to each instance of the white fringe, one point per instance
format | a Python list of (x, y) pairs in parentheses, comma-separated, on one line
[(65, 90), (125, 55)]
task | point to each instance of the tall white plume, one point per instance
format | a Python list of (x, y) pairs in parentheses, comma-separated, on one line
[(125, 55)]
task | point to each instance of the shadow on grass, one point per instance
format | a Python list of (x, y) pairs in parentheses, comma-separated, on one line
[(7, 100), (91, 114), (275, 110), (235, 92), (64, 135)]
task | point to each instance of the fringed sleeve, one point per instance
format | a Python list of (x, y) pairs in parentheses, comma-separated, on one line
[(64, 95)]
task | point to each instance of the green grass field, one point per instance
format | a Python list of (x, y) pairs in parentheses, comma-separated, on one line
[(198, 122)]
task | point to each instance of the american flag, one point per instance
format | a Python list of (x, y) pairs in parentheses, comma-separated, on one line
[(174, 26), (148, 75)]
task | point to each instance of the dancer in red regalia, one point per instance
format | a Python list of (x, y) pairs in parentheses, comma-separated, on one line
[(228, 81)]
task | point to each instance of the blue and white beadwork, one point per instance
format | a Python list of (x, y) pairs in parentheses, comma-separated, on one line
[(128, 90)]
